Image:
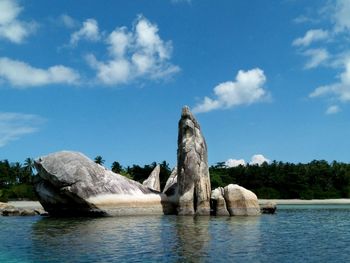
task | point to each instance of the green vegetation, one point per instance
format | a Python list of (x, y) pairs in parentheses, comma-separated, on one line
[(315, 180), (16, 180)]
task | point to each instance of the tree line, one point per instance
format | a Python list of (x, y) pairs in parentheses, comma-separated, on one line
[(280, 180)]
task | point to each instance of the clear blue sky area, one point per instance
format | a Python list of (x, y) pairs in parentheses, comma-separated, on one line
[(109, 78)]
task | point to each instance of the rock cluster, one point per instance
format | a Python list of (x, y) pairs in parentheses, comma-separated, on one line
[(69, 183), (9, 210)]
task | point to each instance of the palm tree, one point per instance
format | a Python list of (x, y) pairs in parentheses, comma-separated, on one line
[(29, 165), (116, 167), (99, 160)]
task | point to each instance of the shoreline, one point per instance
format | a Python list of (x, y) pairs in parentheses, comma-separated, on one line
[(341, 201)]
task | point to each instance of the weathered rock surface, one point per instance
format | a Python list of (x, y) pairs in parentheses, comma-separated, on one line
[(172, 180), (240, 201), (218, 202), (268, 208), (153, 182), (192, 168), (69, 184)]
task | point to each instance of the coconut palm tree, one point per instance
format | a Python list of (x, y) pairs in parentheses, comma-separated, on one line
[(99, 160)]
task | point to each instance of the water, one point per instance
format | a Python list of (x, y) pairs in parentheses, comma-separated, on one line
[(300, 233)]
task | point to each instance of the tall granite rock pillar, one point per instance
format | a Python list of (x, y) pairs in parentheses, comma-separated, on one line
[(192, 164)]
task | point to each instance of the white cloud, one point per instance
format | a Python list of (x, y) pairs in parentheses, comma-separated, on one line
[(15, 125), (11, 28), (139, 53), (235, 162), (246, 89), (316, 57), (311, 36), (88, 31), (339, 90), (259, 159), (68, 21), (341, 16), (332, 109), (23, 75)]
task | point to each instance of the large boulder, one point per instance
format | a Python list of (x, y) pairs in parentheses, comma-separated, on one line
[(240, 201), (192, 167), (153, 182), (69, 183), (218, 202)]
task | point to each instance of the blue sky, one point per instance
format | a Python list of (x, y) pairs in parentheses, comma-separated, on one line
[(266, 79)]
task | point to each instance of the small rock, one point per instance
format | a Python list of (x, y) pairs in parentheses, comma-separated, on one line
[(11, 212), (27, 212), (219, 203), (268, 208)]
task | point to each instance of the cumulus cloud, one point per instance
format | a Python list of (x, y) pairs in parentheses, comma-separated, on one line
[(341, 16), (311, 36), (89, 31), (316, 57), (13, 126), (339, 90), (258, 159), (332, 109), (235, 162), (247, 88), (139, 53), (23, 75), (11, 28)]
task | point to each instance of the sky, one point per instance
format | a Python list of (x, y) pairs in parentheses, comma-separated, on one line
[(267, 80)]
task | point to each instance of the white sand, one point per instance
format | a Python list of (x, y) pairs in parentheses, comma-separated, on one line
[(306, 202), (26, 204)]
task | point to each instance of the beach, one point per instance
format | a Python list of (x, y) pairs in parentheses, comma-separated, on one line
[(306, 202), (37, 205)]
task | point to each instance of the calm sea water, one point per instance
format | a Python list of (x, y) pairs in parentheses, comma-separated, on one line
[(300, 233)]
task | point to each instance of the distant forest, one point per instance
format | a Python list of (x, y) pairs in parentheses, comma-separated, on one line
[(314, 180)]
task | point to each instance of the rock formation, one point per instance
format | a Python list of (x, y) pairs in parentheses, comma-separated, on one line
[(218, 202), (192, 168), (152, 182), (69, 183), (240, 201), (172, 180)]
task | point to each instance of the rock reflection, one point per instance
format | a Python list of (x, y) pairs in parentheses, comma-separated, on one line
[(146, 239), (193, 238)]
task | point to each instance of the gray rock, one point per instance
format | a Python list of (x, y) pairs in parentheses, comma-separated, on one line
[(218, 202), (4, 206), (172, 180), (71, 184), (153, 182), (192, 167), (27, 212), (11, 212), (268, 208), (240, 201)]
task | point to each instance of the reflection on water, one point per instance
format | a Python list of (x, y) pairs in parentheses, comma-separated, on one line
[(292, 235), (141, 239)]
